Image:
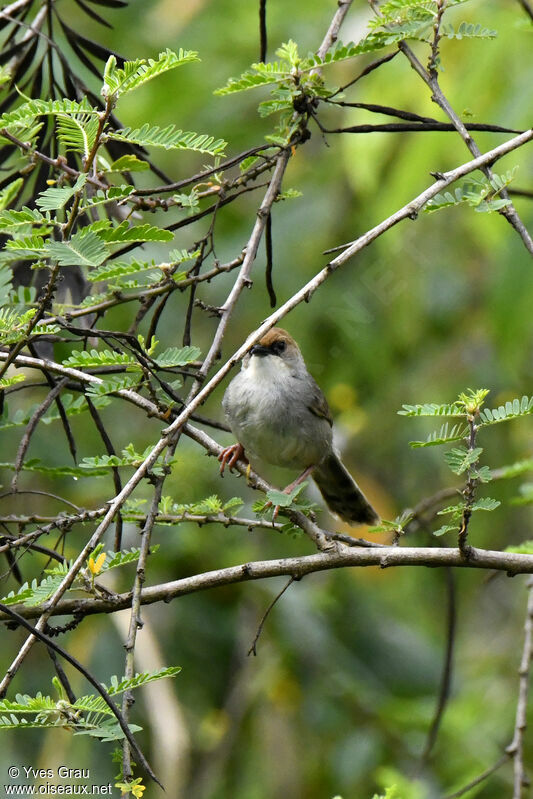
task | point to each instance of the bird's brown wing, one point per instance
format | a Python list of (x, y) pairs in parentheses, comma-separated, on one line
[(319, 406)]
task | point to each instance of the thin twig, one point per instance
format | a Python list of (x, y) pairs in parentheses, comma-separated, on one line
[(445, 685), (253, 648), (6, 610), (333, 30), (516, 747), (269, 262), (135, 617), (366, 71), (479, 779), (431, 79), (469, 492), (110, 449), (262, 31), (32, 426)]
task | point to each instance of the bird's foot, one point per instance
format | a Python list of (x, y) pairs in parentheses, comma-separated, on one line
[(229, 457), (288, 489)]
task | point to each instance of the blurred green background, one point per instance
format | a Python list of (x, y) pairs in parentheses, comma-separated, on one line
[(341, 695)]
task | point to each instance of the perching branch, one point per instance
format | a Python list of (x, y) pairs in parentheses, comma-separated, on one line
[(385, 557)]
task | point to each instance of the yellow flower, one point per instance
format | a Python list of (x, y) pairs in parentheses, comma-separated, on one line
[(96, 565), (138, 790)]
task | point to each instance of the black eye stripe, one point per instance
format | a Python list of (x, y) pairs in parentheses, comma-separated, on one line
[(278, 347)]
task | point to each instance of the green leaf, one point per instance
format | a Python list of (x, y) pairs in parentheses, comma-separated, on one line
[(125, 233), (81, 359), (283, 500), (13, 326), (136, 73), (27, 246), (10, 221), (170, 138), (6, 382), (176, 356), (112, 384), (341, 52), (248, 162), (26, 113), (467, 30), (482, 473), (36, 465), (251, 80), (511, 410), (113, 194), (10, 193), (85, 248), (6, 275), (18, 598), (180, 256), (77, 132), (446, 528), (119, 269), (432, 409), (145, 677), (54, 198), (486, 503), (234, 502), (461, 458), (480, 194), (116, 559), (128, 163), (456, 511), (129, 457), (290, 67), (396, 525), (442, 436), (288, 194)]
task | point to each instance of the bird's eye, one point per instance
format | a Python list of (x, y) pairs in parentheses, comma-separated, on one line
[(278, 347)]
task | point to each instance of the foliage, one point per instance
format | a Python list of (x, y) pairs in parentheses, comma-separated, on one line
[(88, 715), (117, 285), (481, 195)]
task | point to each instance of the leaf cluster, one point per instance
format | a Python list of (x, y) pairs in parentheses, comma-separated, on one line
[(88, 715)]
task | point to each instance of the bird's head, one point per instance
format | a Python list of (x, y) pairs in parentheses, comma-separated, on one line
[(275, 350)]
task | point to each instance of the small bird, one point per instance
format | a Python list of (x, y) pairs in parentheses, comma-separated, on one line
[(279, 414)]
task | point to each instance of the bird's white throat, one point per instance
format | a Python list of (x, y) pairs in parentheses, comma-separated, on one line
[(265, 368)]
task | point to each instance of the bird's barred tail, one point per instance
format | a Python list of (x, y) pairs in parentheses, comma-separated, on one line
[(342, 494)]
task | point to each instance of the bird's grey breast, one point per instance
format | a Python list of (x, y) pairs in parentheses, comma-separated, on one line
[(267, 408)]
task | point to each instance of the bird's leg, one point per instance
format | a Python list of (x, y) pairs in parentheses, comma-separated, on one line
[(230, 455), (292, 486), (300, 479)]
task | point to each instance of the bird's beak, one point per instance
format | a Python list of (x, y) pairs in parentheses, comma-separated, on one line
[(262, 352)]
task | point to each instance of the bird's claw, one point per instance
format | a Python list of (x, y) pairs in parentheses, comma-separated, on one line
[(229, 457)]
